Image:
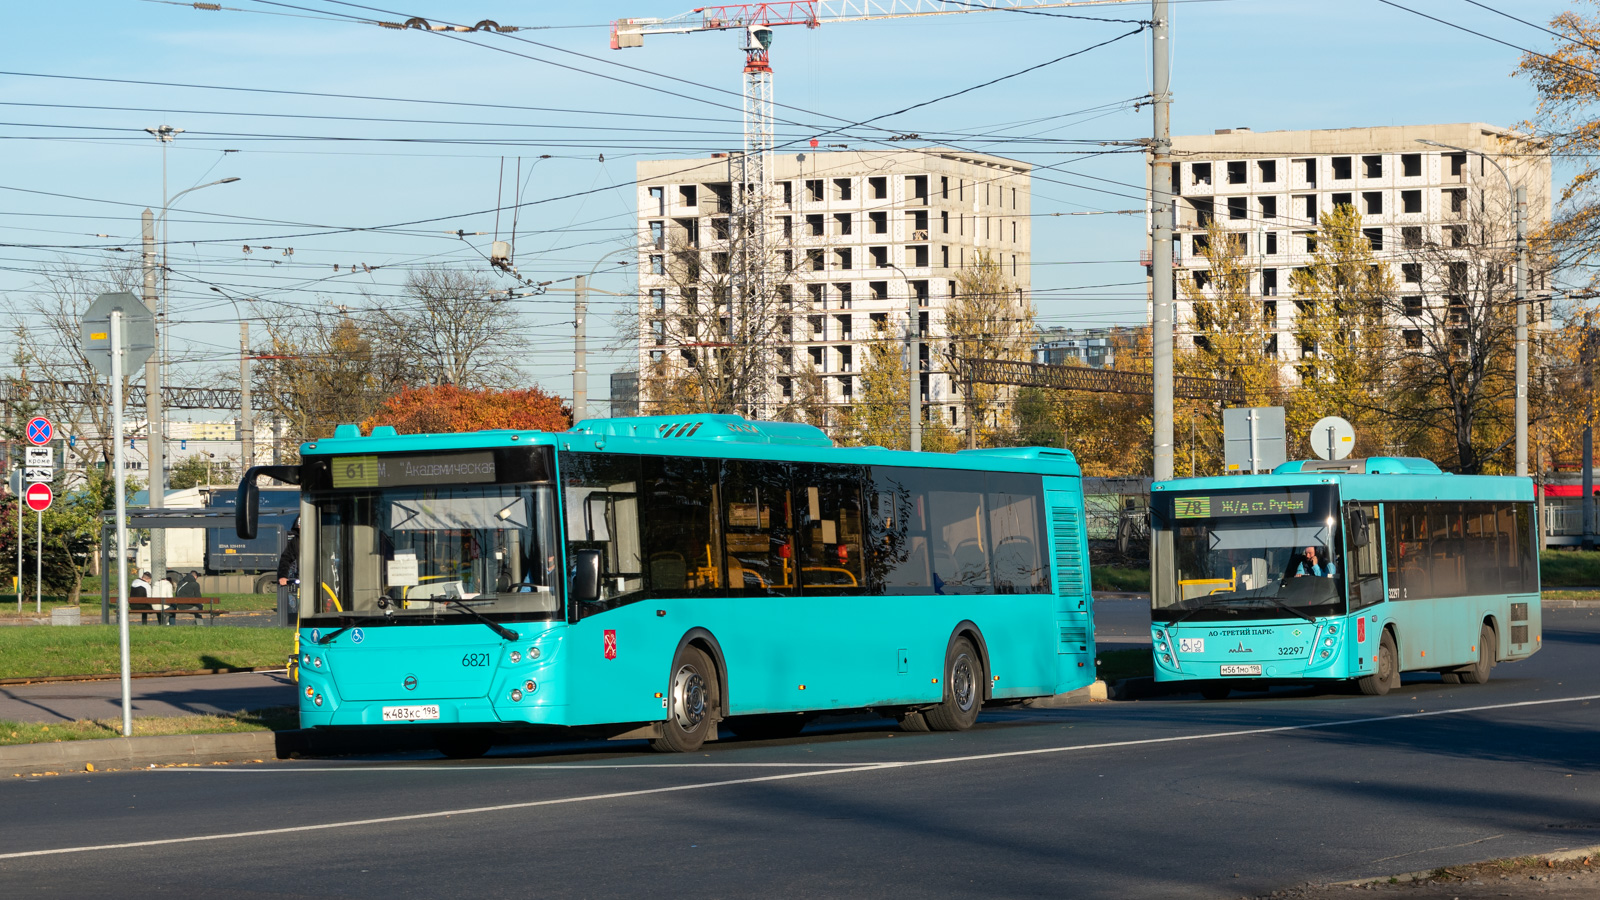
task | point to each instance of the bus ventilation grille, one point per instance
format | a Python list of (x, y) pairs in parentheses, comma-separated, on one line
[(1519, 612), (1519, 634), (1069, 553), (677, 429), (1074, 638)]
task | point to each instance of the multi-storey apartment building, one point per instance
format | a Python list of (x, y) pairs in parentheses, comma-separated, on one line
[(874, 234), (1093, 347), (1272, 188)]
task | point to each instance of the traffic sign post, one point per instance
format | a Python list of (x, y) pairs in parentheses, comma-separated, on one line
[(38, 497)]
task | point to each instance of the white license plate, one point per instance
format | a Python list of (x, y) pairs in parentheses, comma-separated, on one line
[(1239, 670), (423, 713)]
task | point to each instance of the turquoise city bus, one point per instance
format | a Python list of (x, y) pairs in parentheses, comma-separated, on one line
[(1344, 570), (651, 577)]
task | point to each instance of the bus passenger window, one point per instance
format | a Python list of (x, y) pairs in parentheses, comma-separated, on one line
[(682, 546), (757, 528), (829, 537), (899, 560), (960, 540), (1016, 523)]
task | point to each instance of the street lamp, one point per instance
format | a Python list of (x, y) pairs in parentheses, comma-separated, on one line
[(580, 337), (1521, 197), (247, 424)]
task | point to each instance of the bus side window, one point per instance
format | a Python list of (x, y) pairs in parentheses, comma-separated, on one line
[(1363, 541), (829, 537), (899, 560), (683, 549), (1016, 525), (758, 523)]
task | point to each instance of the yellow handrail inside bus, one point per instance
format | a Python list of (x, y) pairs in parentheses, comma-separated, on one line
[(1222, 584), (332, 596)]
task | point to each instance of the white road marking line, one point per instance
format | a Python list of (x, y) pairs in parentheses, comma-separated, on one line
[(546, 767), (843, 770)]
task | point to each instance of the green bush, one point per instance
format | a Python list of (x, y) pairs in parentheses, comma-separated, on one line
[(1118, 578), (1569, 568)]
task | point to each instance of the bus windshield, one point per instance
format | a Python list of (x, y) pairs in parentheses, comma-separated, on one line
[(424, 553), (1246, 554)]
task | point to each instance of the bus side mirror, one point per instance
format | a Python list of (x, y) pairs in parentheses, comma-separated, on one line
[(1358, 528), (586, 576), (247, 512)]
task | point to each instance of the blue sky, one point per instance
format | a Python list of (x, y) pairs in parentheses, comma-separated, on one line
[(307, 182)]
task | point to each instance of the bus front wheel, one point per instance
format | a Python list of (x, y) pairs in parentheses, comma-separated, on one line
[(1388, 675), (963, 690), (692, 703), (1478, 673)]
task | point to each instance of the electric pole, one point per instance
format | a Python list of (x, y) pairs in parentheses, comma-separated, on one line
[(1161, 287), (153, 414)]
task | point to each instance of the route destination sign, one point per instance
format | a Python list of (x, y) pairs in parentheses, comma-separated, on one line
[(1260, 503)]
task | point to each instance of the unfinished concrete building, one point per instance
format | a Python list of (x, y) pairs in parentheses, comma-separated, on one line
[(862, 239), (1271, 189)]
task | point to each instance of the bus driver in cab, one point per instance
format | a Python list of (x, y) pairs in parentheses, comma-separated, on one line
[(1314, 561)]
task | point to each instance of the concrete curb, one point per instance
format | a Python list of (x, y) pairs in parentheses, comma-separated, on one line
[(46, 679), (1548, 603), (73, 756), (1561, 855)]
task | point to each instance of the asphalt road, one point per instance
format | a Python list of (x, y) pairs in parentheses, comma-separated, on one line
[(1168, 797)]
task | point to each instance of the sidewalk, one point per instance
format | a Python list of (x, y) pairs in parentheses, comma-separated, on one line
[(175, 696)]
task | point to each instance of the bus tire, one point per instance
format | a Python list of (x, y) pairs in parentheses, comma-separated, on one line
[(768, 727), (464, 743), (1478, 673), (913, 720), (1216, 690), (1388, 675), (692, 703), (963, 690), (1450, 677)]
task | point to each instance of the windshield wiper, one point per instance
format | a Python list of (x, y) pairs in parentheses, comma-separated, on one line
[(1210, 604), (1291, 610), (499, 629)]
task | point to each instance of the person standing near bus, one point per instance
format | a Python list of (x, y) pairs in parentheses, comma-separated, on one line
[(289, 567)]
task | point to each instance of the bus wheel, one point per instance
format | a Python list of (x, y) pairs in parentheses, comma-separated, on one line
[(963, 691), (1479, 672), (768, 727), (1216, 690), (913, 720), (1388, 675), (463, 744), (1450, 677), (691, 703)]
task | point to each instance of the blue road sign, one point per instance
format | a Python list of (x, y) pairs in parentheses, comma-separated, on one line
[(40, 430)]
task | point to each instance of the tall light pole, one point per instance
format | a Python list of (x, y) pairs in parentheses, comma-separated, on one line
[(580, 337), (1161, 286), (1520, 195), (155, 413), (913, 363), (247, 422)]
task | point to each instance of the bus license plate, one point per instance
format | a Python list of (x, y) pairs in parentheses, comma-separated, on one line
[(1226, 670), (421, 713)]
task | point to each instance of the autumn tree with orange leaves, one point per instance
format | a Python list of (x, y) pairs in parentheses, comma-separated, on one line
[(448, 408)]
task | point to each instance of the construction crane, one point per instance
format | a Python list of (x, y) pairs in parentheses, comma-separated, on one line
[(749, 172)]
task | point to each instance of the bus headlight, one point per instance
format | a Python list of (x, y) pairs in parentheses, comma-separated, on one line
[(1162, 646), (317, 700), (533, 652), (305, 659), (1324, 654), (1333, 629), (316, 661), (516, 695), (1166, 657), (1327, 642), (516, 657)]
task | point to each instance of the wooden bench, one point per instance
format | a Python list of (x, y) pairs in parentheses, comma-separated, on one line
[(169, 608)]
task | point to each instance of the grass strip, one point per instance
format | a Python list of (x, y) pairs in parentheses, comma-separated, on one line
[(1112, 665), (280, 718), (92, 649), (1118, 578), (1569, 568), (89, 605)]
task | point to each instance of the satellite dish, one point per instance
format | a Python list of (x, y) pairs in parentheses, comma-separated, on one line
[(1332, 438)]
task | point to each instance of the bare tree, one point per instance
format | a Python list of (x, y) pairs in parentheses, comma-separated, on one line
[(451, 328), (1454, 382), (712, 344)]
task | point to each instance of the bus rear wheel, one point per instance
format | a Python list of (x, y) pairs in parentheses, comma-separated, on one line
[(692, 703), (1388, 675), (963, 690), (1478, 673), (913, 720)]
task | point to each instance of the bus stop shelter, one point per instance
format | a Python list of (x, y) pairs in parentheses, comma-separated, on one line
[(176, 517)]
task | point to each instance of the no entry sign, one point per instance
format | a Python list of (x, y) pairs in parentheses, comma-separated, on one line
[(40, 430), (39, 497)]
